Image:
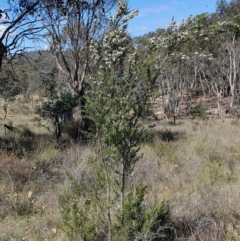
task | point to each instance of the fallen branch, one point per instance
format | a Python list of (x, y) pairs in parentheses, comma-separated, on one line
[(11, 128)]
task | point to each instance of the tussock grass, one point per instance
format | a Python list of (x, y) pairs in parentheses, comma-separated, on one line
[(194, 166), (201, 175)]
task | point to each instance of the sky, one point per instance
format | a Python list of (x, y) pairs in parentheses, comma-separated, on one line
[(154, 14)]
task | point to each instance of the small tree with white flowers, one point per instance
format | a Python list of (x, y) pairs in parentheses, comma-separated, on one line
[(117, 101)]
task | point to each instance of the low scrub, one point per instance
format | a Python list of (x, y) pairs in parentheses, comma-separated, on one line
[(186, 189)]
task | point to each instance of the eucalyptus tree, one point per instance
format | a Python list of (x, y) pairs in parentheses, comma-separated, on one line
[(8, 84), (187, 58), (162, 45), (229, 32), (19, 25), (175, 61), (232, 8), (71, 26), (221, 7), (205, 51), (218, 81), (11, 85)]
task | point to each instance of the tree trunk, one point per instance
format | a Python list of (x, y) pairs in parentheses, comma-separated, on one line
[(122, 194), (2, 53), (108, 193), (58, 129), (218, 104), (5, 105)]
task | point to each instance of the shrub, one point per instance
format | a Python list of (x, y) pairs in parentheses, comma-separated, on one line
[(199, 111), (83, 210), (71, 130)]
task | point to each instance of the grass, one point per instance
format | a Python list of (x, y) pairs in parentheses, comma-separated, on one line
[(198, 174), (194, 165)]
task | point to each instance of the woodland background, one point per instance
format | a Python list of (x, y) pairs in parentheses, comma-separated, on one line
[(109, 137)]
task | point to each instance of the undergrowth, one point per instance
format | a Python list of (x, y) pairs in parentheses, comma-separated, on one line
[(197, 173)]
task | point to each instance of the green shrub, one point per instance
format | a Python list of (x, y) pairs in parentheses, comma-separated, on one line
[(82, 209), (71, 130), (141, 223), (199, 111)]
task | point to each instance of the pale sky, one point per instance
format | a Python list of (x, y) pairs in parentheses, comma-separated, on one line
[(155, 14)]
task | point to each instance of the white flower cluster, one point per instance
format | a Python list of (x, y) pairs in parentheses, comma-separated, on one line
[(132, 58), (114, 46), (121, 9), (228, 25), (222, 23), (129, 16), (94, 51), (184, 33), (184, 57), (115, 41), (171, 24), (204, 55)]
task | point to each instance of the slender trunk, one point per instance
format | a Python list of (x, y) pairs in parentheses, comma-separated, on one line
[(5, 105), (218, 91), (218, 104), (233, 69), (108, 190), (122, 194), (84, 124), (58, 127), (174, 119), (201, 82), (189, 99), (231, 100), (232, 79), (108, 193), (3, 50)]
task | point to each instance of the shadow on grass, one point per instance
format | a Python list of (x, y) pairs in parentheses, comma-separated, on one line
[(164, 135), (22, 143), (177, 123)]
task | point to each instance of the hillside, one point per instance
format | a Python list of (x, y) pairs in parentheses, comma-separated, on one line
[(115, 138), (193, 166)]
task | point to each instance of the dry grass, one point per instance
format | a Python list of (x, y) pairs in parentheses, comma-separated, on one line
[(194, 165), (199, 174)]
